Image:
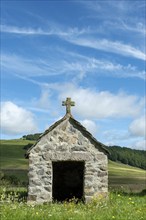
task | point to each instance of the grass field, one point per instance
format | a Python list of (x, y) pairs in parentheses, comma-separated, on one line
[(117, 206), (12, 162), (126, 177), (12, 154)]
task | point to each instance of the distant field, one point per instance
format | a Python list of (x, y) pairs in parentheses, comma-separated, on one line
[(12, 154), (130, 178), (13, 162)]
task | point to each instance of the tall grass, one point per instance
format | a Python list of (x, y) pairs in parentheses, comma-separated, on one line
[(118, 206)]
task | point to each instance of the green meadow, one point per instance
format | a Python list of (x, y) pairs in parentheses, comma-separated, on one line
[(13, 162), (126, 177), (117, 206), (126, 200)]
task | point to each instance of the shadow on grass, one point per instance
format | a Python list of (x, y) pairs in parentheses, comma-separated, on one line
[(15, 195), (141, 193)]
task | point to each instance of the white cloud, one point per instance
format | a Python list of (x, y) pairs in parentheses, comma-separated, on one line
[(16, 30), (44, 101), (90, 126), (136, 27), (76, 65), (116, 135), (72, 35), (84, 65), (109, 46), (138, 127), (22, 66), (24, 31), (16, 120), (140, 145), (128, 10), (103, 104), (56, 30)]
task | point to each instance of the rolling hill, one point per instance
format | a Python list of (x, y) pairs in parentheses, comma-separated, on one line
[(13, 162)]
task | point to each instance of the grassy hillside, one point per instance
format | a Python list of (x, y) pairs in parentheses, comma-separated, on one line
[(12, 154), (12, 162), (128, 177), (132, 157)]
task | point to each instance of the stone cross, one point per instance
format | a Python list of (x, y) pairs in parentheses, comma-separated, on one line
[(68, 103)]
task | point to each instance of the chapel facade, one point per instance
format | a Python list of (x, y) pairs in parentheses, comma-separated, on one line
[(67, 162)]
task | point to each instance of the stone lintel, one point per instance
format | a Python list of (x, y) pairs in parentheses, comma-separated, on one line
[(64, 156)]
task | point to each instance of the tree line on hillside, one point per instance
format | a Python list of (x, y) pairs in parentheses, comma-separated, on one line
[(132, 157), (32, 137)]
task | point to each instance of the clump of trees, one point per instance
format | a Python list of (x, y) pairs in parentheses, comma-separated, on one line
[(33, 137), (26, 147), (10, 179), (132, 157)]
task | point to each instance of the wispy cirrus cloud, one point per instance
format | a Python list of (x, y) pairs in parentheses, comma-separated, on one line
[(29, 67), (123, 22), (47, 31), (23, 31), (79, 37), (109, 46), (84, 64), (138, 27), (121, 8), (72, 64)]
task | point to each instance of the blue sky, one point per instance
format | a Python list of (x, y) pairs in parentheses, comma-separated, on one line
[(91, 51)]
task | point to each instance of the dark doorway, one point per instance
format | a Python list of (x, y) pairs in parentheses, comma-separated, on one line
[(68, 180)]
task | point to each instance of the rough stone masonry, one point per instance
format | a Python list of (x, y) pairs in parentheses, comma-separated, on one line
[(80, 160)]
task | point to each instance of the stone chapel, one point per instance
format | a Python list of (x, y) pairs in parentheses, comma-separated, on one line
[(67, 162)]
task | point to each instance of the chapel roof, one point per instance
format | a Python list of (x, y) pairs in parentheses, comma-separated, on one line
[(79, 126), (68, 103)]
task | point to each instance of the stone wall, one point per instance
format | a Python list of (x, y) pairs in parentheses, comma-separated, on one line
[(65, 143)]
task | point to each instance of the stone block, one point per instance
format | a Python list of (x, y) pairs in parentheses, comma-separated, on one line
[(35, 182), (40, 172), (88, 199), (62, 148), (63, 127), (88, 184), (81, 156), (31, 198), (78, 148), (48, 188), (100, 157), (89, 191), (102, 173)]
